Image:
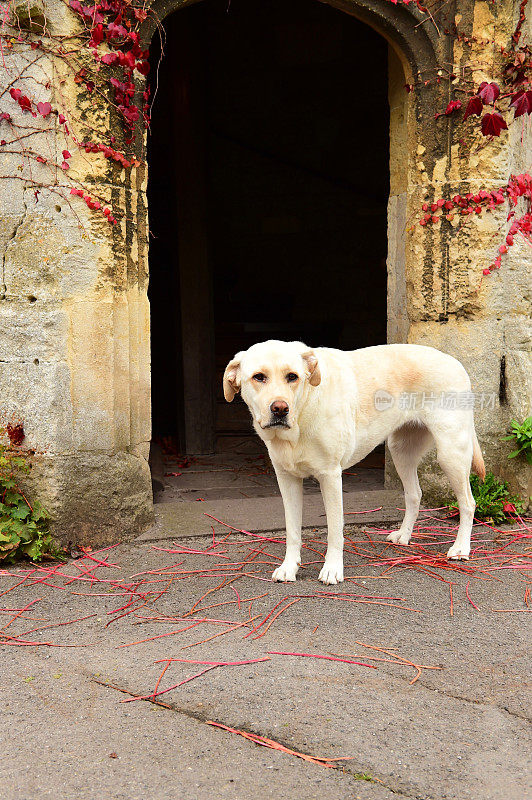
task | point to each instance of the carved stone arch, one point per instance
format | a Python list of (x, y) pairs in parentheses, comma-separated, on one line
[(417, 143)]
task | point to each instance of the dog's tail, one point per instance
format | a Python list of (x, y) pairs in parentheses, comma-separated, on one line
[(477, 464)]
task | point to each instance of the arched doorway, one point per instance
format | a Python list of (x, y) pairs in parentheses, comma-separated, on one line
[(268, 191)]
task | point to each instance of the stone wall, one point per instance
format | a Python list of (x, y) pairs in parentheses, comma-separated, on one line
[(488, 328), (74, 329)]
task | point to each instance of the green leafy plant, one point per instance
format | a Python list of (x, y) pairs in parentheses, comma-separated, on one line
[(23, 526), (493, 499), (522, 434)]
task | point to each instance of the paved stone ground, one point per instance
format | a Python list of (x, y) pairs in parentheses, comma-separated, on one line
[(457, 733)]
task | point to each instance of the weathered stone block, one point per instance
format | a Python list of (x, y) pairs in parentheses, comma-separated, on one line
[(96, 500), (32, 330), (38, 395)]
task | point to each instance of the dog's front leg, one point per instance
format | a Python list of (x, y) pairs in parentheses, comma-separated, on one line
[(331, 490), (292, 494)]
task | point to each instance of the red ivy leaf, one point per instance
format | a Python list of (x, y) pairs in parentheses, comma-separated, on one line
[(66, 154), (96, 36), (23, 101), (131, 113), (522, 103), (65, 165), (454, 105), (44, 109), (6, 116), (488, 92), (493, 124), (62, 119), (143, 67), (118, 85), (116, 31), (473, 107), (110, 58), (126, 59)]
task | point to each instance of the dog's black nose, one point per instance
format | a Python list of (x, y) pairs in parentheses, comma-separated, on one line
[(279, 408)]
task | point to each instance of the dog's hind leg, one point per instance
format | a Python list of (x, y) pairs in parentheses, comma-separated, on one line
[(454, 456), (408, 444)]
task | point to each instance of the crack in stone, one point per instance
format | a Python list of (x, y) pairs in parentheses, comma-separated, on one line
[(9, 241), (343, 770), (472, 700)]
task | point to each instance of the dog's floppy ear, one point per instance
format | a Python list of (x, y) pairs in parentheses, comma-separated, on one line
[(232, 378), (309, 357)]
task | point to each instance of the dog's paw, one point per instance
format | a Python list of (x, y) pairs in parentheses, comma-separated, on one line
[(458, 553), (332, 573), (399, 537), (287, 571)]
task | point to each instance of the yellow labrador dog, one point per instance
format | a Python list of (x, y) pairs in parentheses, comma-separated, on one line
[(320, 411)]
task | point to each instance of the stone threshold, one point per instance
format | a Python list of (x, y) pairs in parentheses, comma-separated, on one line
[(175, 520)]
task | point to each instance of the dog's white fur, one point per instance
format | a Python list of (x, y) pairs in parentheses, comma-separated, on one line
[(333, 422)]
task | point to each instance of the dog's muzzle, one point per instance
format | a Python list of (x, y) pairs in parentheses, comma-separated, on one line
[(279, 415), (277, 423)]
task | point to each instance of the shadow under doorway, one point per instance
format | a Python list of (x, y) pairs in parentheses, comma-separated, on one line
[(268, 186)]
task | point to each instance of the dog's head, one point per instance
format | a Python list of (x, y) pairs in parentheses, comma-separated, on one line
[(274, 378)]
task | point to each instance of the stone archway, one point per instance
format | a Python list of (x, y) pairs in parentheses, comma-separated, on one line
[(189, 244)]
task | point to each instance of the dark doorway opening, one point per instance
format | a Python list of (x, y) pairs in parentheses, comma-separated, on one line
[(268, 186)]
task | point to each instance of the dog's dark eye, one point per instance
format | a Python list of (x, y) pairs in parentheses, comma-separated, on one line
[(260, 377), (291, 377)]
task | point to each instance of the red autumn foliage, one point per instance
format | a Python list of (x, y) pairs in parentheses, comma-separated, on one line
[(518, 186), (454, 105), (488, 92), (493, 124), (23, 101), (16, 434), (521, 103), (474, 106), (44, 109), (94, 205)]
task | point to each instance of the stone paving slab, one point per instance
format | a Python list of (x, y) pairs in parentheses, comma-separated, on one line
[(459, 733), (74, 739)]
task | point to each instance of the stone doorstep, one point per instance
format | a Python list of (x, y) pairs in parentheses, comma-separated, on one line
[(234, 480), (259, 514)]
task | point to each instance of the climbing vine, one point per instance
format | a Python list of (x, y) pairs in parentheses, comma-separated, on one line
[(494, 109), (105, 57)]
